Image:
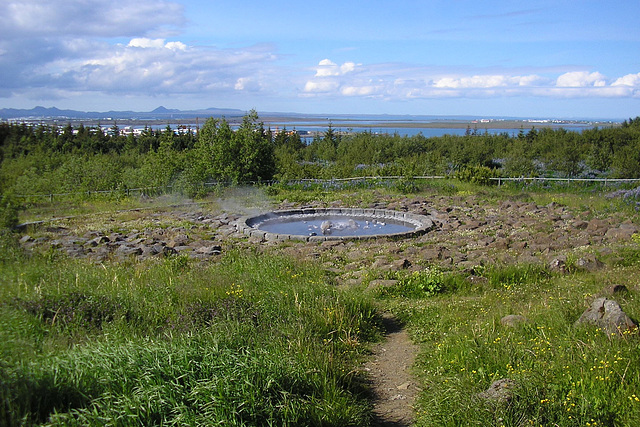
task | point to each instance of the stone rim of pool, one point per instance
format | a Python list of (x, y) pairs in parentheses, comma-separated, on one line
[(418, 224)]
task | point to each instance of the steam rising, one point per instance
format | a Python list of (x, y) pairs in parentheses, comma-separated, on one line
[(244, 201)]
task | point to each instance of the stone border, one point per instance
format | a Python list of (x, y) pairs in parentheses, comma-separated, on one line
[(248, 225)]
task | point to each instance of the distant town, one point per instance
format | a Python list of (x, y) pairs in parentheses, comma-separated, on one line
[(127, 122)]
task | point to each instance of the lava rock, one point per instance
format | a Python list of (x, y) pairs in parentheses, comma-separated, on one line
[(500, 391), (608, 315)]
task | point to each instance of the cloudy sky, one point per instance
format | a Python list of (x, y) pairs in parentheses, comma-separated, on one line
[(560, 58)]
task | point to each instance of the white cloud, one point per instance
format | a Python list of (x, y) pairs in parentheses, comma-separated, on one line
[(399, 82), (251, 84), (328, 68), (63, 46), (471, 82), (176, 46), (581, 79), (153, 66), (144, 42), (632, 80), (359, 90), (321, 86)]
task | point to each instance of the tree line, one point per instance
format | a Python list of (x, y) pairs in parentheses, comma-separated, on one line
[(45, 159)]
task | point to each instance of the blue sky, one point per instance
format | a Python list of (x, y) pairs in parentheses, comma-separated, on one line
[(562, 59)]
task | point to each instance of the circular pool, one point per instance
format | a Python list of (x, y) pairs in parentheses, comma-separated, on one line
[(334, 224)]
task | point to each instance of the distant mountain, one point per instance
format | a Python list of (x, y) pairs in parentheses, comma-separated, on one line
[(163, 110), (159, 113)]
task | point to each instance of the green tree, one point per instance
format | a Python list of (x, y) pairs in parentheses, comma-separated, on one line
[(241, 156), (288, 147), (519, 161), (214, 153), (256, 161), (327, 146), (626, 162), (568, 154)]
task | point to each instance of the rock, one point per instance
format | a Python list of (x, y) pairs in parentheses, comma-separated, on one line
[(606, 251), (168, 251), (486, 241), (620, 233), (97, 241), (513, 320), (597, 225), (100, 253), (519, 245), (148, 251), (472, 225), (608, 315), (558, 265), (401, 264), (124, 250), (209, 250), (431, 253), (75, 251), (589, 262), (382, 283), (615, 289), (350, 282), (501, 391), (580, 225), (501, 243), (115, 237), (26, 238), (179, 240)]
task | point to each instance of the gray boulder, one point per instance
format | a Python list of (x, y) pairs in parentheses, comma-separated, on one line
[(559, 264), (500, 391), (589, 262), (608, 315)]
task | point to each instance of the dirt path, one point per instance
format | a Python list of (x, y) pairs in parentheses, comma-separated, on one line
[(394, 387)]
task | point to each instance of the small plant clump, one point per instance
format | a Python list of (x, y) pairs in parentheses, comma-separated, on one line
[(419, 284)]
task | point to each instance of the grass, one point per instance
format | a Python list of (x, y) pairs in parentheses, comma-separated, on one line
[(565, 375), (251, 340), (258, 339)]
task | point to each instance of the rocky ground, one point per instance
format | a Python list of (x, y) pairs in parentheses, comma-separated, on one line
[(466, 233)]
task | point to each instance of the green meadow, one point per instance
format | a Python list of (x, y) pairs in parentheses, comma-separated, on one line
[(255, 339), (251, 340)]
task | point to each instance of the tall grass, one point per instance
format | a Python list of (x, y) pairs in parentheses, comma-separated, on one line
[(251, 340)]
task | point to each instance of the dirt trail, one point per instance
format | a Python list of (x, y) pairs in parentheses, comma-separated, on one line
[(393, 385)]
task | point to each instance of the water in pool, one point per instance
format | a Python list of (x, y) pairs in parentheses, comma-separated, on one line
[(332, 226)]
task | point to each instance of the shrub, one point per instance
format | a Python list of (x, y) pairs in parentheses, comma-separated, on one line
[(8, 212), (406, 185), (75, 308), (477, 175), (419, 284)]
